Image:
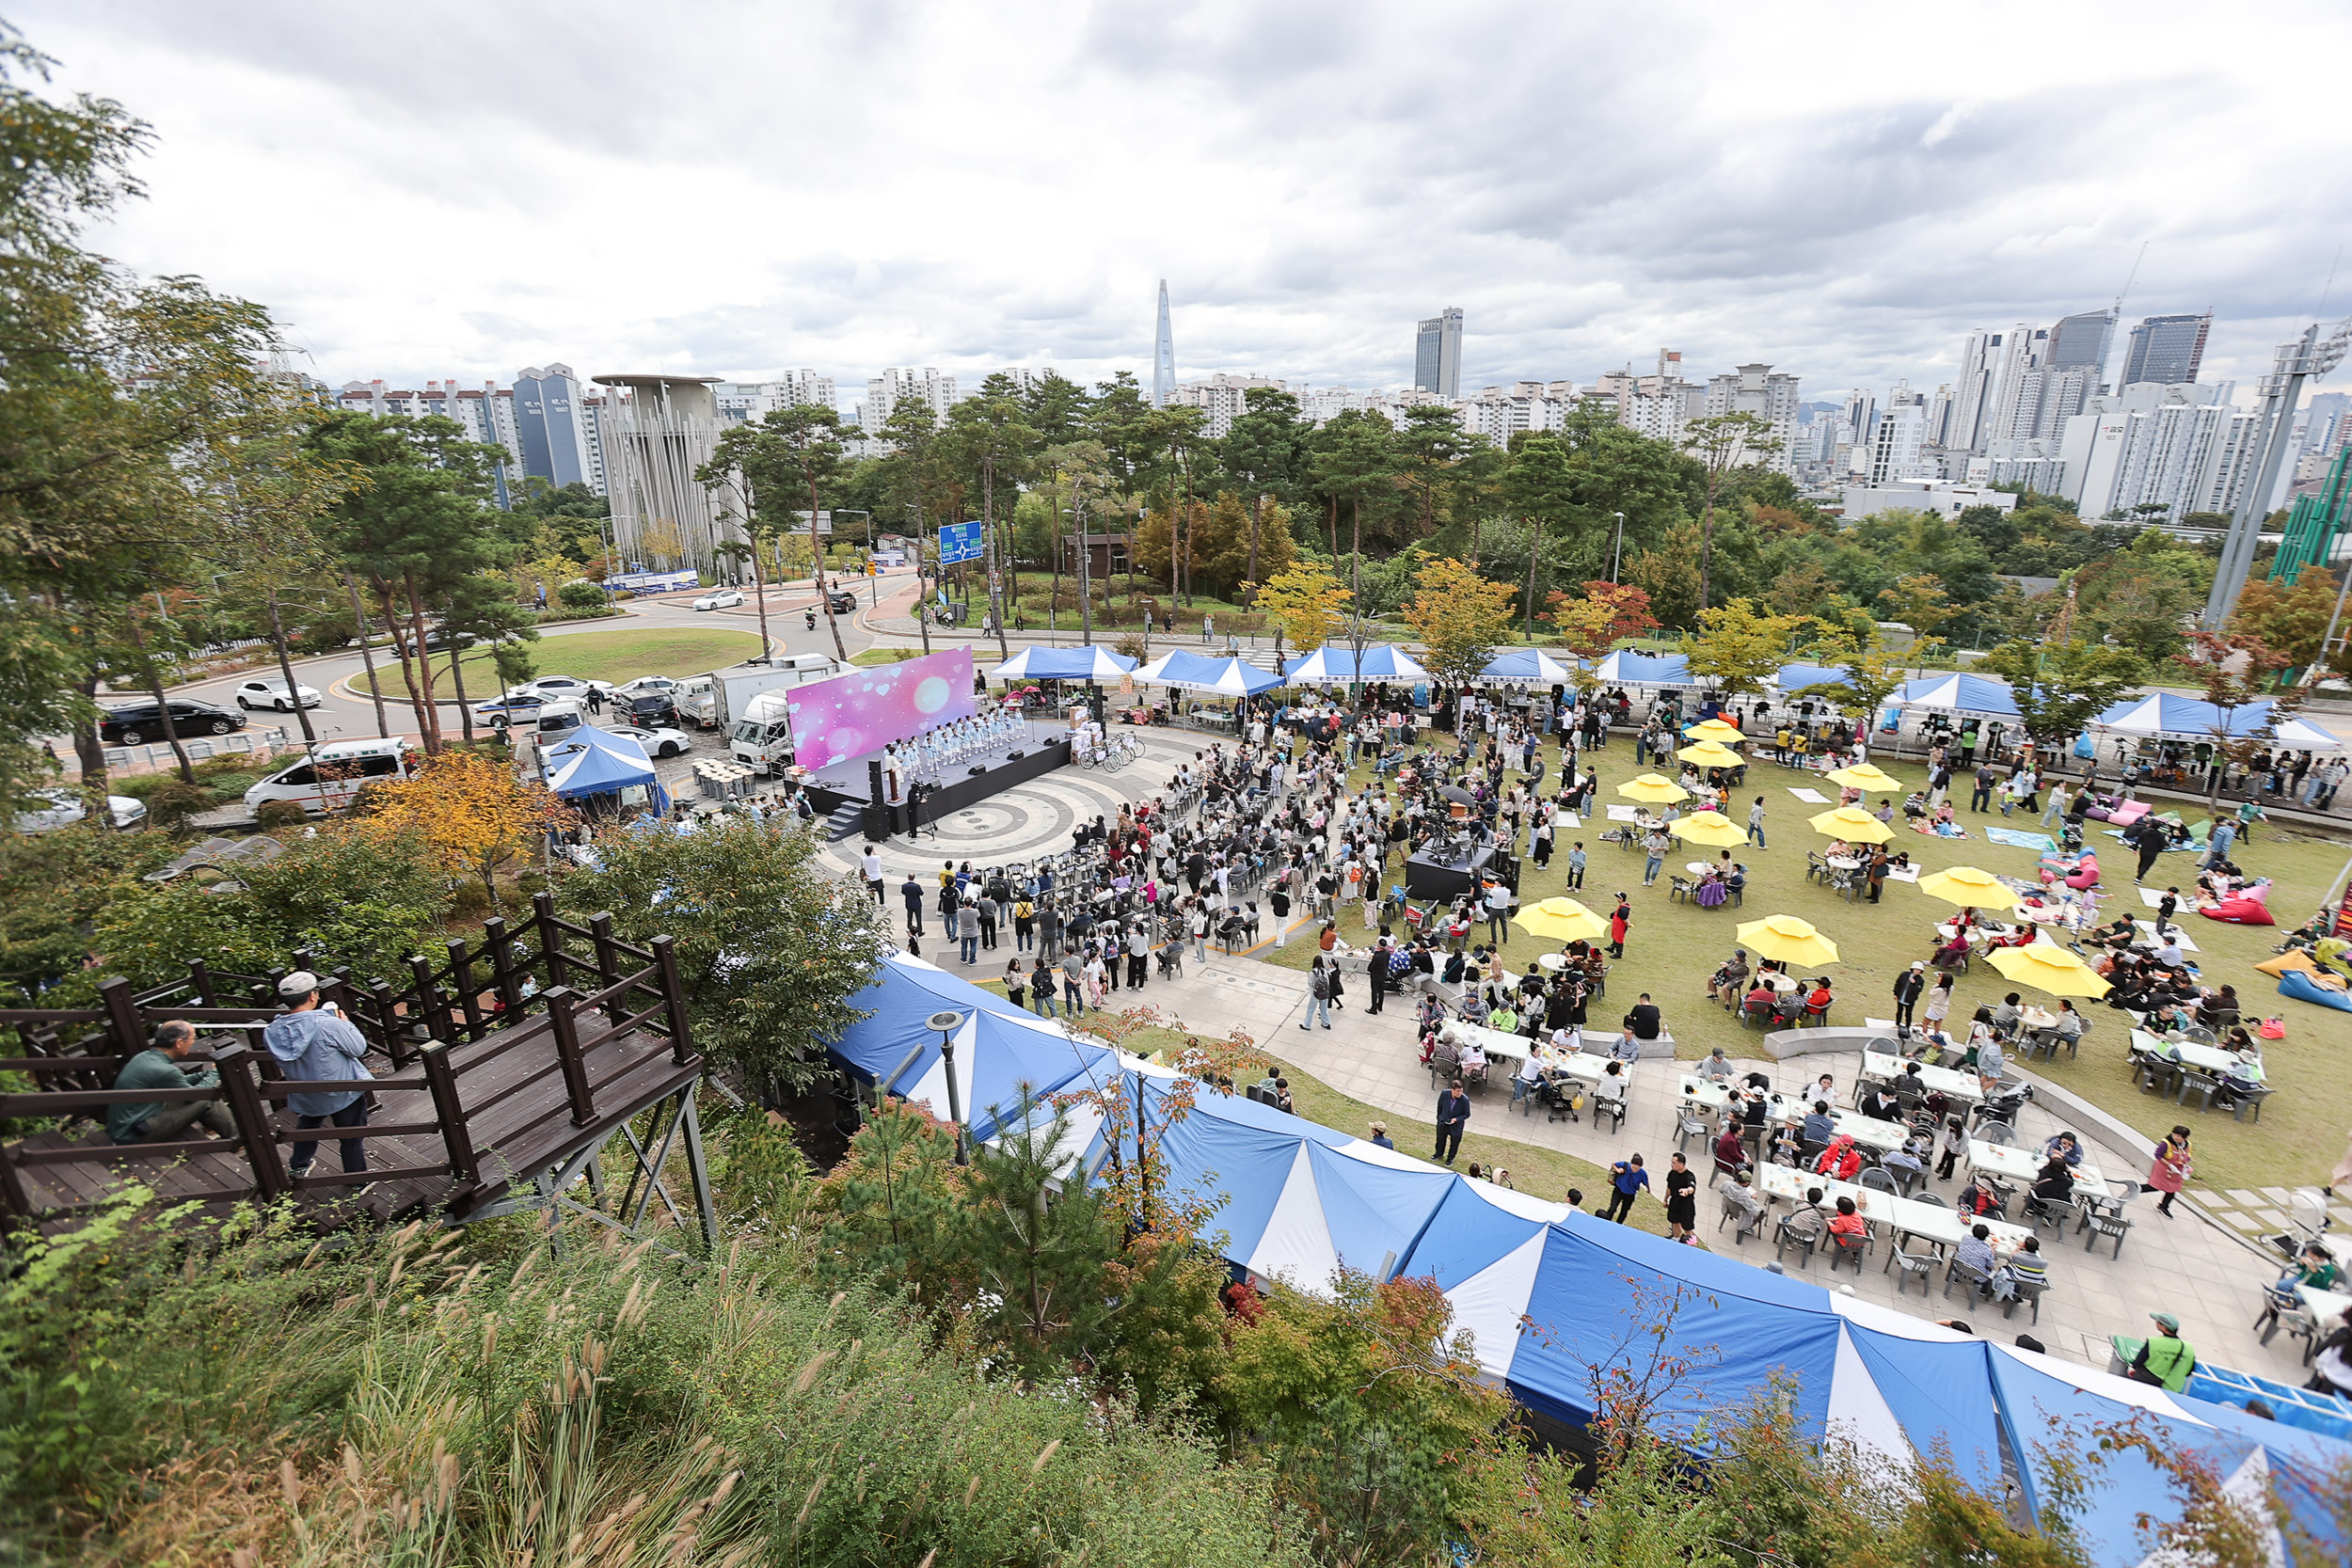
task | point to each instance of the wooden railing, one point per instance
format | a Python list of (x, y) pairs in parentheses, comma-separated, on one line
[(441, 1032)]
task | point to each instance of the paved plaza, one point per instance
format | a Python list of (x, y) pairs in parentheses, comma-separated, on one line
[(2205, 1263)]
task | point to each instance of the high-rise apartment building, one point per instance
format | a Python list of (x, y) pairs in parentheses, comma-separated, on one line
[(2172, 448), (1222, 398), (2165, 350), (1499, 413), (1990, 365), (550, 426), (1438, 355), (884, 392), (1754, 389), (1657, 406), (1896, 446), (742, 402)]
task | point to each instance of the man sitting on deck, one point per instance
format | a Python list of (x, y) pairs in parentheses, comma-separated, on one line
[(160, 1067)]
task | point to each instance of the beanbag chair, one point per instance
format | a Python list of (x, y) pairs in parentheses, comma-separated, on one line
[(2306, 988), (2241, 911), (2293, 959), (2127, 814), (2085, 872)]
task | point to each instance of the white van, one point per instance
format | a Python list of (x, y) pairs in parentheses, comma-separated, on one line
[(329, 778)]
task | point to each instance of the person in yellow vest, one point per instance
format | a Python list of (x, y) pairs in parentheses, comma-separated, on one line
[(2167, 1359)]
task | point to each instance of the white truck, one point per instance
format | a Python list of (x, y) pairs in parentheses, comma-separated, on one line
[(762, 734), (718, 699)]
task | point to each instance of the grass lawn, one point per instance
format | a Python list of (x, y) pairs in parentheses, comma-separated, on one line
[(884, 656), (1674, 945), (602, 656)]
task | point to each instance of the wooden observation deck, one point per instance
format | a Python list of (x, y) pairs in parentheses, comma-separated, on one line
[(499, 1079)]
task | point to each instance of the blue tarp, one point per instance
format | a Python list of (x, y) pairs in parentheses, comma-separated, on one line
[(1527, 664), (589, 761)]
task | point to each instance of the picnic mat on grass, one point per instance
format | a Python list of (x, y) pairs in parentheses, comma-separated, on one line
[(2019, 838), (1810, 797)]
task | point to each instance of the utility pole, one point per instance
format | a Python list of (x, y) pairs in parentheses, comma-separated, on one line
[(2306, 358)]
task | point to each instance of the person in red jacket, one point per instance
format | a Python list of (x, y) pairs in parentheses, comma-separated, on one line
[(1619, 918), (1840, 1160)]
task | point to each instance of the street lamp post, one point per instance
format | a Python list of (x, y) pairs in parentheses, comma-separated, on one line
[(1617, 552), (947, 1022)]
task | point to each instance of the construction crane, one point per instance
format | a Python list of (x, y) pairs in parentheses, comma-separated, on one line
[(2307, 358)]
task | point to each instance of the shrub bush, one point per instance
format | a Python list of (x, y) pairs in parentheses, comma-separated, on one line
[(170, 805), (280, 814), (578, 595)]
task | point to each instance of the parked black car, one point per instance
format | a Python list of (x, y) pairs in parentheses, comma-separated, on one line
[(654, 707), (844, 603), (139, 723)]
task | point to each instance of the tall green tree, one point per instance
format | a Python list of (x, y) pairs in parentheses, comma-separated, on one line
[(989, 439), (2059, 689), (1722, 441), (1264, 451), (1353, 460), (791, 461), (418, 525)]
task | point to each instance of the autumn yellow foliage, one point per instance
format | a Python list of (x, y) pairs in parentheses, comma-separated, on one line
[(470, 809)]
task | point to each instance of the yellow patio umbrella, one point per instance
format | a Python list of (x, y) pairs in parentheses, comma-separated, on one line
[(1863, 775), (1711, 828), (2046, 966), (1563, 919), (1786, 939), (1649, 787), (1709, 753), (1853, 824), (1969, 888), (1715, 729)]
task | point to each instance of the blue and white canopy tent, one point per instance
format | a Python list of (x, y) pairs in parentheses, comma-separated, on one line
[(592, 762), (1085, 662), (1552, 1296), (1337, 665), (1793, 679), (1628, 668), (1531, 665), (1223, 677), (1958, 694), (2169, 716)]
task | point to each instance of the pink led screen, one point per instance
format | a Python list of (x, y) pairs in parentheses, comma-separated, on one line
[(850, 715)]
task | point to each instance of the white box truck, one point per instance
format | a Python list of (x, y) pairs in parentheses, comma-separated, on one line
[(717, 700), (762, 733)]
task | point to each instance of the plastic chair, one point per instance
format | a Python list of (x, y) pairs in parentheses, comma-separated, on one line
[(1612, 1108), (1915, 1265), (1748, 1224), (1844, 1246), (2115, 1222), (1999, 1132), (1958, 1273), (1784, 1237), (1878, 1179), (1691, 1124), (2028, 1290), (2041, 1210), (2201, 1084), (2251, 1097)]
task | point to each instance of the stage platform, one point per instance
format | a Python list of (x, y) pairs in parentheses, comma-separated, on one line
[(850, 783)]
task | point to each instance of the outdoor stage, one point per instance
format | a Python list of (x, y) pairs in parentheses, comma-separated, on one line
[(852, 782)]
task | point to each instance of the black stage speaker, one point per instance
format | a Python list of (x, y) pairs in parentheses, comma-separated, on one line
[(875, 820), (1015, 756), (976, 770), (874, 781)]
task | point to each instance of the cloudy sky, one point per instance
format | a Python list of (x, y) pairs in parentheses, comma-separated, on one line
[(437, 189)]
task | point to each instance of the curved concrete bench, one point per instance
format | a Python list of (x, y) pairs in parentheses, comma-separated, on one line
[(1827, 1040)]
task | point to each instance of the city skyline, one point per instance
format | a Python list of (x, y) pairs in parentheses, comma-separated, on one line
[(1324, 179)]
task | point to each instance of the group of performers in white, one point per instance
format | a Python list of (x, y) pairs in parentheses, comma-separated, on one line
[(923, 756)]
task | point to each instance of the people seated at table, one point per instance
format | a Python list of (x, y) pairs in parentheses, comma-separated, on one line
[(2241, 1080), (1818, 1129), (2066, 1146), (2026, 1266), (1807, 1220), (2054, 1183), (1953, 951), (1817, 1001), (1472, 1009), (1976, 1252), (1501, 1015), (1716, 1069), (2218, 1009), (1880, 1105), (1731, 1151), (1841, 1161), (1848, 1221), (1738, 1192), (1760, 1000), (2005, 1015)]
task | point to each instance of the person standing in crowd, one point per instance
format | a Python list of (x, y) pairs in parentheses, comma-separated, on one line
[(1620, 919), (2169, 1171), (1755, 823), (315, 1043), (1625, 1180), (1454, 1109)]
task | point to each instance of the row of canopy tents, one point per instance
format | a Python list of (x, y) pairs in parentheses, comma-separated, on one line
[(1552, 1296)]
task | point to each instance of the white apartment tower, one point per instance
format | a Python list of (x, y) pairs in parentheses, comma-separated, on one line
[(884, 392), (742, 402), (1221, 397), (1754, 389)]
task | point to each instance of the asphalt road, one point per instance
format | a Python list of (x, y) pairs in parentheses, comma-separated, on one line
[(347, 713)]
